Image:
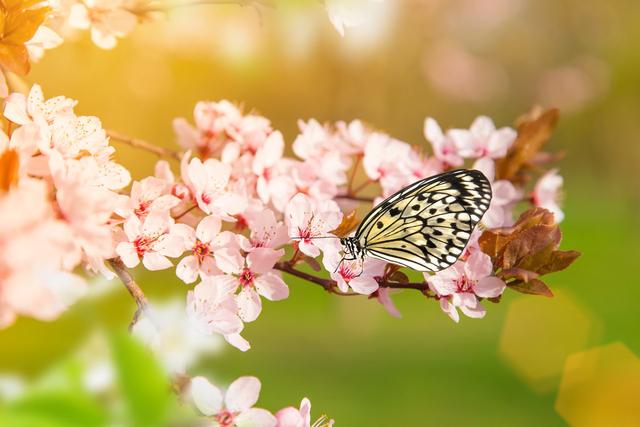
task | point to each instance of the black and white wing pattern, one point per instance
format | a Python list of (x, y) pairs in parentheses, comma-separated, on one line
[(427, 225)]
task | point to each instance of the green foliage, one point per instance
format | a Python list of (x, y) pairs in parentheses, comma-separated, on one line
[(142, 381)]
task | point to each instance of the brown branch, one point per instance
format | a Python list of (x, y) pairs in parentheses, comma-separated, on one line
[(133, 288), (332, 287), (144, 145)]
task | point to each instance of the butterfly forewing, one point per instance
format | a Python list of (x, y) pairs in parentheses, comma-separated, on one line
[(427, 225)]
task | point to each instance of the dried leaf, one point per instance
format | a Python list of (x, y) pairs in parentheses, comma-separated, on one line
[(9, 166), (313, 263), (533, 133), (518, 273), (532, 287), (348, 224), (398, 276), (389, 269), (14, 58), (559, 260)]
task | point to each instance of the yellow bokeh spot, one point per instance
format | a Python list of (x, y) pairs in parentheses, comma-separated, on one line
[(600, 387), (539, 334)]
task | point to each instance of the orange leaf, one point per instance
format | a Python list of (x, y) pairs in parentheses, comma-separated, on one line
[(14, 58), (9, 166), (559, 260), (348, 224)]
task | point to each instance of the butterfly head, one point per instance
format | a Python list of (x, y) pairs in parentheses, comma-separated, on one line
[(352, 248)]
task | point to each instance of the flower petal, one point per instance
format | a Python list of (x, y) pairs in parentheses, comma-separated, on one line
[(249, 304), (272, 287), (256, 417), (242, 394), (206, 396)]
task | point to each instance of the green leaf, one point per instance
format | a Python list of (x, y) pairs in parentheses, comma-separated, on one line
[(54, 408), (143, 383)]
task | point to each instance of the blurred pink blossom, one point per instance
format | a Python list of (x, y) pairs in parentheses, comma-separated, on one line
[(547, 193), (235, 408)]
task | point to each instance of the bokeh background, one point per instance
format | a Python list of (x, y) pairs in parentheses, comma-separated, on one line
[(532, 361)]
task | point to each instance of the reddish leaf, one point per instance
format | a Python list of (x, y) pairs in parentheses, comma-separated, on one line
[(533, 133), (532, 287), (518, 273), (559, 260)]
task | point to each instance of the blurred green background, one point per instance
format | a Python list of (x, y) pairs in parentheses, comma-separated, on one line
[(450, 59)]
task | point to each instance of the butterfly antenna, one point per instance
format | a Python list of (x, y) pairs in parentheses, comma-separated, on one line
[(315, 237)]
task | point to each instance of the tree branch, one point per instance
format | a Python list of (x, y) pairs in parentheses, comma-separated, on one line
[(332, 287), (144, 145), (133, 288)]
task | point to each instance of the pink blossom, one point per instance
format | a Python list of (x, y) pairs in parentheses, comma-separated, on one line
[(444, 147), (215, 123), (307, 219), (266, 231), (264, 162), (44, 38), (483, 140), (547, 192), (384, 159), (207, 245), (255, 277), (212, 307), (505, 196), (355, 274), (236, 407), (208, 183), (107, 19), (294, 417), (384, 297), (460, 285), (147, 195), (153, 240), (293, 177), (323, 152), (22, 109)]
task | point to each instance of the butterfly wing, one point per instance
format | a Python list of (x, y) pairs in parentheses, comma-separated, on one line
[(427, 225)]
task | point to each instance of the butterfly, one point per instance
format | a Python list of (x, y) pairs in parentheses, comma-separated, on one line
[(425, 226)]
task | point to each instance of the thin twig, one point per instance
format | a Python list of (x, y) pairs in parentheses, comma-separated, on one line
[(133, 288), (144, 145), (331, 286)]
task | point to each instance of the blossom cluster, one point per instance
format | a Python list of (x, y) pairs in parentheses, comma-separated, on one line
[(236, 406), (224, 221)]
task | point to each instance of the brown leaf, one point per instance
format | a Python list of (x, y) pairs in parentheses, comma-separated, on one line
[(532, 287), (533, 133), (348, 224), (518, 273), (399, 276), (522, 250), (313, 263), (559, 260), (389, 269), (9, 166)]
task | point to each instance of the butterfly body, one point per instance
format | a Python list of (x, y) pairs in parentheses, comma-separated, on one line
[(425, 226)]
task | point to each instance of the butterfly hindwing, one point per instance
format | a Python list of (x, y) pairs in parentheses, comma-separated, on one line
[(427, 225)]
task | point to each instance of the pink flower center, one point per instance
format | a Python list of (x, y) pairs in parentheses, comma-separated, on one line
[(347, 272), (141, 210), (465, 285), (201, 250), (225, 418), (142, 244), (206, 198), (304, 234), (246, 277), (241, 223)]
